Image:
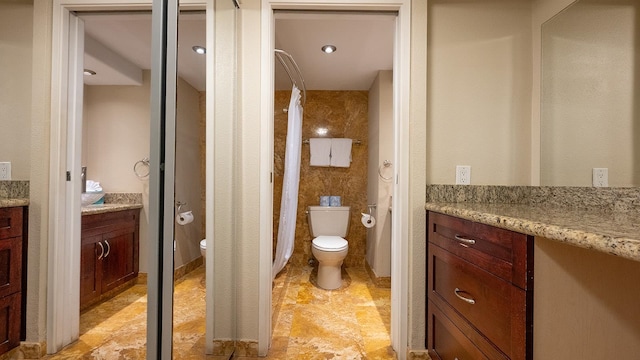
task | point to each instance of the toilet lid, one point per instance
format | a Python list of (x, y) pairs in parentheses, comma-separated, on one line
[(330, 243)]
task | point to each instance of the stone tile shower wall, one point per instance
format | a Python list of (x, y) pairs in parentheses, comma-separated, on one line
[(345, 115)]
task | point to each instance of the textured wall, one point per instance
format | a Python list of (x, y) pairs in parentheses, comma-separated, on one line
[(345, 115), (16, 41), (108, 110), (479, 118)]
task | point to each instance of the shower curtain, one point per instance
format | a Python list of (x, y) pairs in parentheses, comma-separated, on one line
[(289, 202)]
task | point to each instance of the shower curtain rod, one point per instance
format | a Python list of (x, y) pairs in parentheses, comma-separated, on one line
[(281, 55)]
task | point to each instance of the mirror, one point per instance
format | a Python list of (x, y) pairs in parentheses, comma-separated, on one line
[(590, 102)]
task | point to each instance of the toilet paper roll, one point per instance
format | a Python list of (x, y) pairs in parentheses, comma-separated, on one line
[(368, 221), (184, 218)]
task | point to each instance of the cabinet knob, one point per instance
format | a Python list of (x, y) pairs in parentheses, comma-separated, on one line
[(465, 299)]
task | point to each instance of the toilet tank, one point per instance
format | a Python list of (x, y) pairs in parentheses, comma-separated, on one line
[(328, 220)]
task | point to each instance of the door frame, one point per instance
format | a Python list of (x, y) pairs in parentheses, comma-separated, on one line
[(401, 202), (64, 205)]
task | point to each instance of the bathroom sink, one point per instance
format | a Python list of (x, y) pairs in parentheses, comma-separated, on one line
[(89, 198)]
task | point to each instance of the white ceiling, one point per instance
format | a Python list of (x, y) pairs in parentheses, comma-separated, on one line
[(364, 46), (129, 35), (364, 42)]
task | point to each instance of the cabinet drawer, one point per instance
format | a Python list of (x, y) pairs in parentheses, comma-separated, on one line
[(498, 251), (10, 266), (495, 307), (9, 322), (10, 222), (106, 222), (446, 341)]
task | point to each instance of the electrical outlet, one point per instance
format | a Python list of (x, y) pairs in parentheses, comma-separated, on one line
[(5, 171), (463, 175), (600, 177)]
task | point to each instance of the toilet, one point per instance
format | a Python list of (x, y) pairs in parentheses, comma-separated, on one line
[(329, 225), (203, 248)]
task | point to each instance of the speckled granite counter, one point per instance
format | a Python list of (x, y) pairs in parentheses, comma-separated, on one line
[(612, 232), (105, 208), (4, 203), (14, 193)]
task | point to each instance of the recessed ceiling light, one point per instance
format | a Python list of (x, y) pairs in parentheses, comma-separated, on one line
[(199, 50), (89, 72), (329, 49)]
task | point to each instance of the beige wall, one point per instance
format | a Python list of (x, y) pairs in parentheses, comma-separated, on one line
[(379, 191), (479, 91), (188, 185), (16, 29), (116, 131), (585, 304), (344, 114), (589, 95), (116, 135), (542, 11)]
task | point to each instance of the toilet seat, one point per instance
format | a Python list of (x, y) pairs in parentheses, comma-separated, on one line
[(330, 243)]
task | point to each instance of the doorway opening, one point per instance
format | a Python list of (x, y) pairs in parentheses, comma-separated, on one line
[(349, 97), (399, 253), (115, 148)]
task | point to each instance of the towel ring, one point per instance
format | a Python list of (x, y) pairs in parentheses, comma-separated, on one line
[(385, 164), (141, 168)]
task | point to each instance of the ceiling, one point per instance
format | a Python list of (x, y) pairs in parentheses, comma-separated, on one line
[(121, 48)]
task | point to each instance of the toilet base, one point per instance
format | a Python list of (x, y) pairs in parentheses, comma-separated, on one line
[(330, 276)]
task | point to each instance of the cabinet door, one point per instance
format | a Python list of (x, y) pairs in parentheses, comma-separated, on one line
[(9, 322), (90, 269), (446, 341), (118, 264)]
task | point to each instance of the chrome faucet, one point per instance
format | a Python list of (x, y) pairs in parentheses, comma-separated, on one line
[(83, 179)]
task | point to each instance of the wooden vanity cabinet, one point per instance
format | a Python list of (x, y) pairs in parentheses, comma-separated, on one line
[(109, 253), (480, 291), (13, 244)]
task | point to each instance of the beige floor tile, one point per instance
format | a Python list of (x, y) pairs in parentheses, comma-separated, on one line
[(351, 322)]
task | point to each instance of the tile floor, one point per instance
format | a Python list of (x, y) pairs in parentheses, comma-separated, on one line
[(309, 323)]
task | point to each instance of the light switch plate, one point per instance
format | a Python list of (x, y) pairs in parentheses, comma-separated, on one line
[(5, 171)]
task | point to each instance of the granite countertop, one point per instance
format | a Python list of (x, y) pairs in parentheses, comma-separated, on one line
[(611, 232), (105, 208), (5, 203)]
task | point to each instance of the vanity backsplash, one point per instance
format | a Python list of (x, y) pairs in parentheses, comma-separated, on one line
[(603, 199), (123, 198), (14, 189)]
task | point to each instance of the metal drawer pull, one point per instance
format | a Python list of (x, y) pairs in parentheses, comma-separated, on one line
[(464, 240), (101, 251), (108, 249), (470, 301)]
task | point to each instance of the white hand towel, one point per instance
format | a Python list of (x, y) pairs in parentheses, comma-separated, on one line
[(320, 149), (341, 152)]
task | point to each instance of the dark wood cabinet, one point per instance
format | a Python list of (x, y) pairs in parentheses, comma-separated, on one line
[(480, 291), (13, 241), (109, 253)]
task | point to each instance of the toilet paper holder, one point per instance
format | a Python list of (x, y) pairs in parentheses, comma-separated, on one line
[(371, 208), (180, 204)]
